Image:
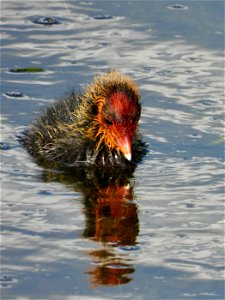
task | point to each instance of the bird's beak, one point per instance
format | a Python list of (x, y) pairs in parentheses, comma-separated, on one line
[(125, 147)]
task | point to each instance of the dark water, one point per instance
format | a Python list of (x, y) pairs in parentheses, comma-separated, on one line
[(158, 235)]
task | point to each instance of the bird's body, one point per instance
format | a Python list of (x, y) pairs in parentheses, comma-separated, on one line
[(97, 127)]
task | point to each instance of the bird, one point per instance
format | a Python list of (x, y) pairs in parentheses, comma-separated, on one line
[(96, 127)]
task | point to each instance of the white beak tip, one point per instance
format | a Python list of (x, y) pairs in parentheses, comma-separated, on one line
[(128, 156)]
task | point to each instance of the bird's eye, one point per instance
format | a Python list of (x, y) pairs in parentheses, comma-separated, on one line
[(133, 120), (108, 122)]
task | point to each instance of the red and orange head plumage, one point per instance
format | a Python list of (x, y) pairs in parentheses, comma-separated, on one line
[(112, 104)]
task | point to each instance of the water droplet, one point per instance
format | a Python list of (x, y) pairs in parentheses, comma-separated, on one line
[(181, 235), (103, 17), (207, 103), (193, 58), (189, 205), (178, 6), (195, 135), (105, 44), (146, 68), (129, 248), (46, 21), (14, 94), (44, 193)]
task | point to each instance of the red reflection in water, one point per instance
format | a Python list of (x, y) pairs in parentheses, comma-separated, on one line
[(111, 219), (111, 274)]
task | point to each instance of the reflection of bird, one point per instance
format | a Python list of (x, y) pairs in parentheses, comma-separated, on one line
[(111, 218), (98, 127)]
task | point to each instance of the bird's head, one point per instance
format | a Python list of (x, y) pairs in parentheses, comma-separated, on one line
[(115, 112)]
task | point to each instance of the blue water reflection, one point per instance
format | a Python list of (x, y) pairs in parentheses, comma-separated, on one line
[(163, 239)]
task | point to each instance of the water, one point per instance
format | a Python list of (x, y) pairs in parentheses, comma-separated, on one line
[(157, 236)]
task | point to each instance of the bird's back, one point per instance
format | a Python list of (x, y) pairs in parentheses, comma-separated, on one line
[(48, 127)]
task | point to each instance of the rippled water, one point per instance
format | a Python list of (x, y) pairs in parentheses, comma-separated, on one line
[(159, 235)]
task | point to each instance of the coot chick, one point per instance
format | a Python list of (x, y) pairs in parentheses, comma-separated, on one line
[(97, 127)]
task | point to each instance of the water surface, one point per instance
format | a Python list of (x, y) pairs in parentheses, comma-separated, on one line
[(157, 235)]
